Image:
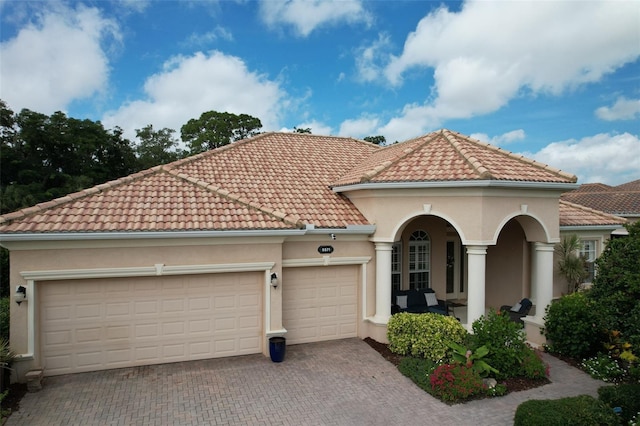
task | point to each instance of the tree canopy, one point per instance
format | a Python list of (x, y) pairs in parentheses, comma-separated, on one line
[(157, 147), (215, 129), (44, 157), (378, 140)]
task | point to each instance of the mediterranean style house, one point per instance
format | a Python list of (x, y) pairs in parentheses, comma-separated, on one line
[(282, 234)]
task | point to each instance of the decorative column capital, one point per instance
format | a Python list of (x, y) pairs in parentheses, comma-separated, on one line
[(477, 250), (384, 246), (540, 246)]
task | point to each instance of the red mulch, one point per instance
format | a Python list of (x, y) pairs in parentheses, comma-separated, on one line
[(514, 384)]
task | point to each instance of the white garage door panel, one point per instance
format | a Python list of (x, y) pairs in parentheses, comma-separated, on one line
[(91, 325), (319, 303)]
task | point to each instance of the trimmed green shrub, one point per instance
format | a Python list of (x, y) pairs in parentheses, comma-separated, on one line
[(455, 382), (4, 318), (532, 366), (625, 396), (424, 335), (419, 370), (580, 410), (505, 340), (616, 287), (572, 326)]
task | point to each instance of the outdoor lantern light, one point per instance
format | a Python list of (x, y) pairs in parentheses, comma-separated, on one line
[(274, 280), (21, 294)]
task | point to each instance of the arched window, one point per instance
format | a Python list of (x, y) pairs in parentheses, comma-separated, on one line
[(419, 260)]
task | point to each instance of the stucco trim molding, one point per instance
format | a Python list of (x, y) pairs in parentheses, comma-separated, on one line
[(325, 261), (144, 271)]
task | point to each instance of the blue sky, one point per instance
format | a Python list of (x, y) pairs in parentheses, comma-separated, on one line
[(557, 81)]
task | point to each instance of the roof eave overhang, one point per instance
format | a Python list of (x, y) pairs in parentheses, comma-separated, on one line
[(590, 227), (146, 235), (150, 235), (557, 186)]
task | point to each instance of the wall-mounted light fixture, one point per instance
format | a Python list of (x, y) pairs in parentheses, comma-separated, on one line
[(274, 280), (21, 294), (333, 236)]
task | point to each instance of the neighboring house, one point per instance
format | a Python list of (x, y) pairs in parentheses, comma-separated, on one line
[(281, 234), (594, 228), (602, 206)]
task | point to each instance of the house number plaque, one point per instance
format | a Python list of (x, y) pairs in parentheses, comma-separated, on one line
[(325, 249)]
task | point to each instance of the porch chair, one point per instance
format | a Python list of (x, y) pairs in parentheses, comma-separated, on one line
[(518, 311)]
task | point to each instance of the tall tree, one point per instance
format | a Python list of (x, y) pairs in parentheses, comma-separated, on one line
[(306, 130), (215, 129), (156, 147), (44, 157)]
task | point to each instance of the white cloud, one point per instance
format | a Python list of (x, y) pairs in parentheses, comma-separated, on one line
[(307, 15), (204, 39), (623, 109), (190, 85), (604, 158), (135, 5), (491, 52), (358, 128), (56, 59), (501, 140), (369, 58)]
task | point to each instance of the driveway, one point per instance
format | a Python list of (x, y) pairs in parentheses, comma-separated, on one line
[(342, 382)]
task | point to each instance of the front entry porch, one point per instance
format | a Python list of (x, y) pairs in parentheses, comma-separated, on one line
[(430, 252)]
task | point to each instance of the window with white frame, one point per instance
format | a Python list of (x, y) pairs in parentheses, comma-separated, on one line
[(588, 252), (419, 260), (396, 266)]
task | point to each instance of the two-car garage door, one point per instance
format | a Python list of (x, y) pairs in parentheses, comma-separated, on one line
[(319, 303), (98, 324)]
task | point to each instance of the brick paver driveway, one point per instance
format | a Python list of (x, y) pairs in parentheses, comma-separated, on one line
[(341, 382)]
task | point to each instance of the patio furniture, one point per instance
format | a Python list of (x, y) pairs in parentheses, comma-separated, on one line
[(418, 301), (518, 311)]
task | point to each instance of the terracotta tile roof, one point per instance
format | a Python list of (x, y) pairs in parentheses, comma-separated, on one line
[(449, 156), (577, 215), (272, 181), (621, 200), (151, 201)]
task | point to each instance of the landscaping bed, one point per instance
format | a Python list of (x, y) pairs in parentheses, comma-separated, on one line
[(513, 384)]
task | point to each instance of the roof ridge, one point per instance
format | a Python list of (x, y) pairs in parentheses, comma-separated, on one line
[(591, 210), (290, 219), (367, 175), (472, 161), (514, 156), (74, 196)]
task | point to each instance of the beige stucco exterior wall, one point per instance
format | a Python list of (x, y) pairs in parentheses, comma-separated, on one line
[(478, 214)]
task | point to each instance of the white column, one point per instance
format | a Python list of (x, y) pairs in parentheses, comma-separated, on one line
[(542, 277), (476, 265), (383, 282)]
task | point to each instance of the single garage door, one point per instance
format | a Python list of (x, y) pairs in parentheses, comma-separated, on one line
[(319, 303), (97, 324)]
